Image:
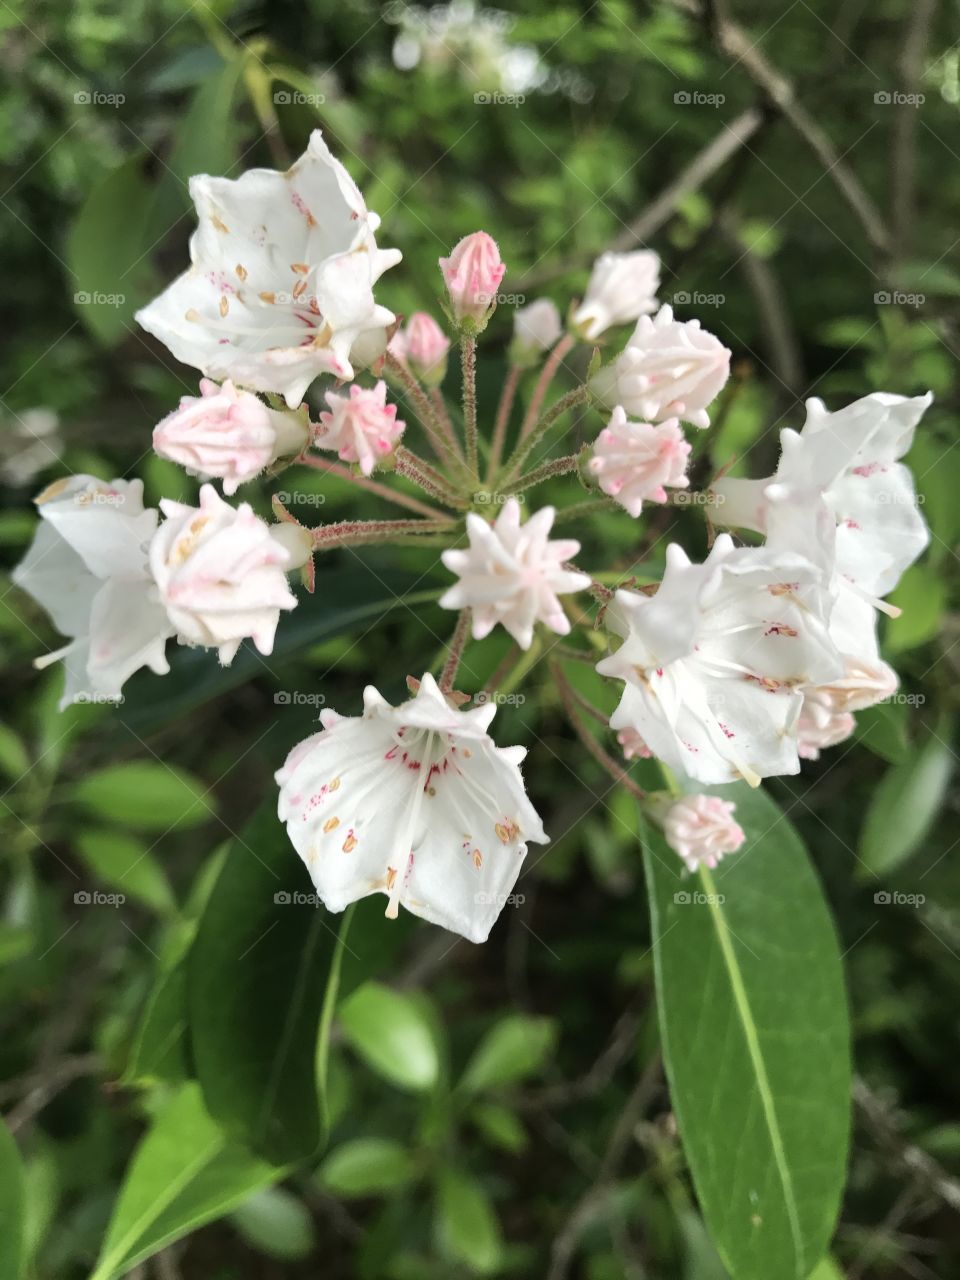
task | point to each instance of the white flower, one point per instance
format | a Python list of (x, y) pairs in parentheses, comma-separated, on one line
[(220, 574), (87, 566), (844, 466), (536, 327), (622, 287), (668, 369), (512, 574), (282, 279), (360, 426), (634, 461), (714, 661), (226, 433), (701, 829), (415, 802)]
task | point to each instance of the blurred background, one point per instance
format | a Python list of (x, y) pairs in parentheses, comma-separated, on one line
[(796, 167)]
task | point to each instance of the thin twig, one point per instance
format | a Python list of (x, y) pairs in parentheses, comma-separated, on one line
[(570, 401), (444, 446), (556, 467), (455, 651), (468, 360), (547, 373), (504, 408), (353, 533), (427, 478)]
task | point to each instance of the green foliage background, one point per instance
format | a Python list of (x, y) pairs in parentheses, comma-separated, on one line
[(473, 1099)]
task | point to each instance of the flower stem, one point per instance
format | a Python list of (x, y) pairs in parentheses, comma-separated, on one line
[(427, 478), (468, 358), (577, 396), (588, 508), (507, 397), (572, 703), (444, 446), (557, 467), (352, 533), (550, 367), (371, 486), (455, 651)]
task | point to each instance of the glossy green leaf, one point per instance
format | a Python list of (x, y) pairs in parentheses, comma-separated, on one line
[(126, 864), (11, 1207), (388, 1030), (14, 760), (367, 1166), (827, 1270), (515, 1048), (883, 728), (146, 795), (161, 1049), (183, 1173), (500, 1126), (904, 806), (276, 1222), (465, 1224), (755, 1036), (107, 252), (256, 977), (922, 595)]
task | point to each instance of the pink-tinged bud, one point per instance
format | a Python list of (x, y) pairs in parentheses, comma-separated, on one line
[(226, 434), (633, 746), (220, 573), (360, 426), (472, 275), (701, 829), (426, 346), (633, 462), (821, 725)]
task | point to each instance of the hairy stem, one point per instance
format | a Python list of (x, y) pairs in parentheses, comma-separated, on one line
[(588, 508), (371, 486), (443, 445), (468, 358), (550, 367), (455, 651), (427, 478), (352, 533), (507, 397), (556, 467), (577, 396)]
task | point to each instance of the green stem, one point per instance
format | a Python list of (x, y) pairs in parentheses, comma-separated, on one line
[(444, 447), (507, 397), (557, 467), (353, 533), (427, 478), (371, 486), (455, 651), (569, 401), (550, 367)]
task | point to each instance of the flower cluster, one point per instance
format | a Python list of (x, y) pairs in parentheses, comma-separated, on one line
[(733, 669)]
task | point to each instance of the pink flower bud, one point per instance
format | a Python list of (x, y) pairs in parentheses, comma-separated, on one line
[(633, 746), (472, 275), (701, 829), (226, 434), (820, 726), (360, 426), (426, 348), (220, 574), (633, 461)]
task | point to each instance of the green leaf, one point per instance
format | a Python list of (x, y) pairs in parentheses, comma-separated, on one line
[(388, 1030), (256, 976), (883, 728), (161, 1047), (195, 675), (922, 595), (755, 1036), (124, 863), (11, 1207), (465, 1223), (145, 795), (183, 1174), (904, 806), (106, 252), (826, 1270), (514, 1049), (367, 1167), (276, 1222), (14, 760), (499, 1126)]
